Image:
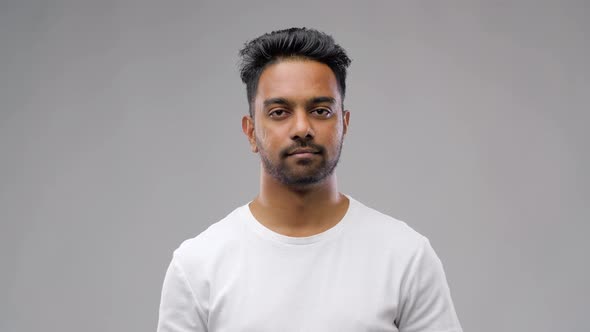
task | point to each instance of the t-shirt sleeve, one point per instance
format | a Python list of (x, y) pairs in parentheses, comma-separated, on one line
[(179, 308), (426, 304)]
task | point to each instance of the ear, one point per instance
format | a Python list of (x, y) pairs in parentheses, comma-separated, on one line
[(345, 121), (248, 129)]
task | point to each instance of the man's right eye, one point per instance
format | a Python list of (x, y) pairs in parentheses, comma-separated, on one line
[(277, 113)]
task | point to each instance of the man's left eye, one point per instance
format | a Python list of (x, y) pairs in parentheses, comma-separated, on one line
[(323, 112)]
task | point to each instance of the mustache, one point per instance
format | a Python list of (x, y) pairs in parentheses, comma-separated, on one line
[(302, 144)]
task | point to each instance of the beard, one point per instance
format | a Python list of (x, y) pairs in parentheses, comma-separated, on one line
[(304, 172)]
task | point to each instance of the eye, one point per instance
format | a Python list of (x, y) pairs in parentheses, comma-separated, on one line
[(277, 113), (322, 112)]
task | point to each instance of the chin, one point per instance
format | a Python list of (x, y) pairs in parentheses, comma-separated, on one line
[(304, 181)]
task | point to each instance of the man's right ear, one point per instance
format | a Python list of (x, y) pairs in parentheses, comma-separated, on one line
[(248, 129)]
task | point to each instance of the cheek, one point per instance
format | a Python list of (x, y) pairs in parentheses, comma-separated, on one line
[(336, 131), (339, 130), (264, 138), (260, 134)]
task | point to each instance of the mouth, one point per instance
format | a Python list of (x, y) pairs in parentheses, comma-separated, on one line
[(303, 153)]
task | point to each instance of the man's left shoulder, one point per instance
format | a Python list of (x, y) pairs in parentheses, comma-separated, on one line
[(382, 227)]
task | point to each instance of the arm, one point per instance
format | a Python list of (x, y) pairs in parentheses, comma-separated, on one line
[(179, 308), (426, 299)]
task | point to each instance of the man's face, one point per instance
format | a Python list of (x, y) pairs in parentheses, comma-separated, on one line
[(299, 124)]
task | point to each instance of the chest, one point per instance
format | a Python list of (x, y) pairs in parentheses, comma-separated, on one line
[(333, 288)]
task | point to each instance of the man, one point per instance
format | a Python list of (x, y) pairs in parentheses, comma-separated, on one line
[(301, 256)]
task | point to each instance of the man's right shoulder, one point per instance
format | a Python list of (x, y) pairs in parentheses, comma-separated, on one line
[(218, 239)]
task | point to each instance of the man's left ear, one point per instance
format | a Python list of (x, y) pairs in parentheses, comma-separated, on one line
[(345, 120)]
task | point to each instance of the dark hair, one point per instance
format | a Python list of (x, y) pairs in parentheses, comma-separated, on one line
[(303, 43)]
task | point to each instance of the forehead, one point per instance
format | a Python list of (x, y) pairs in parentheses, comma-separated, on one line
[(297, 80)]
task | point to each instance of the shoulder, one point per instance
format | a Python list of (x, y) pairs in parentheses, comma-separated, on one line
[(373, 225), (219, 238)]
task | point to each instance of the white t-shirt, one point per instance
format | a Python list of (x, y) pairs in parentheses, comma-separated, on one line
[(369, 272)]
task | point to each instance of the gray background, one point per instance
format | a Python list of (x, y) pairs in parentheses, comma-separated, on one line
[(120, 137)]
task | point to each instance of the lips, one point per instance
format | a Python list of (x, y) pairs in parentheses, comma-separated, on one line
[(303, 151)]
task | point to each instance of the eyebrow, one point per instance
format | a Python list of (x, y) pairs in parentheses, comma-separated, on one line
[(277, 101), (310, 102), (321, 100)]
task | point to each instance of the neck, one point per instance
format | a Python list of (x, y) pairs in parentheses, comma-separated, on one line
[(298, 210)]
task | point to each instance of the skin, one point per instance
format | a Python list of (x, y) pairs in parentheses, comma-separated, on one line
[(297, 104)]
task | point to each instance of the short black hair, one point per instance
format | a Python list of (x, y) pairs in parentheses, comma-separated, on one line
[(302, 43)]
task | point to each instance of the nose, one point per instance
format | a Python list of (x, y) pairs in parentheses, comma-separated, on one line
[(302, 127)]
